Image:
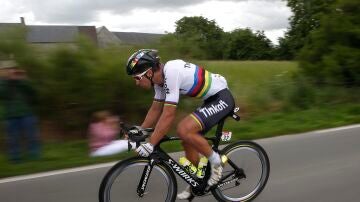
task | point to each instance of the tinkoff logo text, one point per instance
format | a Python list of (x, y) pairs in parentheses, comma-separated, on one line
[(214, 109)]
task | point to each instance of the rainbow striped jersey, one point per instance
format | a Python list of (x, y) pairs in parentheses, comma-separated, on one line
[(185, 78)]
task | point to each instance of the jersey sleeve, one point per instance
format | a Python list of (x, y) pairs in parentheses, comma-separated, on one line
[(159, 93), (172, 85)]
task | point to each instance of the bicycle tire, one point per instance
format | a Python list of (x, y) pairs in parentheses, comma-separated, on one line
[(130, 164), (230, 151)]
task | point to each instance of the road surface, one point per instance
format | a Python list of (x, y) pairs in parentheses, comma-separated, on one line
[(313, 167)]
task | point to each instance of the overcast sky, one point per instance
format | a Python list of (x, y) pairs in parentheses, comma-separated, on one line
[(150, 16)]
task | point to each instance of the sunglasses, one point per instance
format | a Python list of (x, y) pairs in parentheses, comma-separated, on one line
[(140, 76)]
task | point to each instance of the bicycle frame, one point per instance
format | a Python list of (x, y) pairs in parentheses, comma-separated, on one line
[(198, 184)]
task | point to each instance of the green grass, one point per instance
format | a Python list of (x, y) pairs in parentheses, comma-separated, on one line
[(246, 76), (72, 154)]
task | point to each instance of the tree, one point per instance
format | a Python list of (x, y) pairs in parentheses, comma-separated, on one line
[(202, 35), (244, 44), (306, 18), (332, 53)]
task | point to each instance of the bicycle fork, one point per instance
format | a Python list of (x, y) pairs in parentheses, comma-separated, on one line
[(145, 178)]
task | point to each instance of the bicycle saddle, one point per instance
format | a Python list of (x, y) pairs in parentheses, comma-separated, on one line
[(234, 115)]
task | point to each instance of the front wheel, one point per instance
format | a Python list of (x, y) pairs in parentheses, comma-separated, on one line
[(245, 174), (122, 181)]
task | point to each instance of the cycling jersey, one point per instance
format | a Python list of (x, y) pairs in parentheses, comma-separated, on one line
[(185, 78), (189, 79)]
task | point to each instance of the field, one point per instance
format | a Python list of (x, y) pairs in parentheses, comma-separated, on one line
[(259, 90), (250, 77)]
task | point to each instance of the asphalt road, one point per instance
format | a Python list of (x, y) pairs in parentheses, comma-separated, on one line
[(310, 167)]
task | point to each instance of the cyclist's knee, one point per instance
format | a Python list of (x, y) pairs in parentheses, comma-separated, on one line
[(183, 132), (185, 144)]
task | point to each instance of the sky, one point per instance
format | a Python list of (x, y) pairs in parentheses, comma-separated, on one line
[(151, 16)]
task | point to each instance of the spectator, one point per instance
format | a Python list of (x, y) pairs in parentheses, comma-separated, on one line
[(103, 132), (18, 96)]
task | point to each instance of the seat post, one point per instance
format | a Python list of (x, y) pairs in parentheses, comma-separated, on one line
[(219, 132)]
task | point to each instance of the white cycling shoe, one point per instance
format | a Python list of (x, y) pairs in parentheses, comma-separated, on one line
[(216, 173), (184, 195)]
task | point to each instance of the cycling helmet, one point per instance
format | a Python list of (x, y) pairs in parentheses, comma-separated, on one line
[(141, 61)]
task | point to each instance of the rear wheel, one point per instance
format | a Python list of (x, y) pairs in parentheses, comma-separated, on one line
[(122, 181), (246, 173)]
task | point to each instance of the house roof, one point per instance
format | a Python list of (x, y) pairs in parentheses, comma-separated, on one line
[(58, 34), (137, 38), (53, 34), (69, 34)]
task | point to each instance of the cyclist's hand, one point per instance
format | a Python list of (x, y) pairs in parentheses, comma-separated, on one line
[(145, 149)]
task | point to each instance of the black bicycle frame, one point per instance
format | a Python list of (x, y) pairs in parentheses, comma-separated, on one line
[(160, 156), (198, 185)]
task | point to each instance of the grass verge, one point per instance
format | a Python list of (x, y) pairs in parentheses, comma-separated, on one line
[(75, 153)]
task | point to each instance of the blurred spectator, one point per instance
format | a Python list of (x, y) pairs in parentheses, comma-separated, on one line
[(18, 96), (103, 133)]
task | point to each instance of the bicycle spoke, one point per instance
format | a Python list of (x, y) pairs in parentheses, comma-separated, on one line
[(126, 183), (244, 158)]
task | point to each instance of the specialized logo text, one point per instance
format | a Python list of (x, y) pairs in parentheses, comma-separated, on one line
[(182, 173)]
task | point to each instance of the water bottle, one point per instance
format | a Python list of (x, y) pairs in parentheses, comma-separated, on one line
[(188, 166), (202, 167)]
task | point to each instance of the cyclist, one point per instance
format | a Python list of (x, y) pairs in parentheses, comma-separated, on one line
[(169, 80)]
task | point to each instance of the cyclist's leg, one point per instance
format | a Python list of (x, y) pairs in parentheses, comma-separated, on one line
[(214, 109), (193, 143), (189, 131), (191, 153)]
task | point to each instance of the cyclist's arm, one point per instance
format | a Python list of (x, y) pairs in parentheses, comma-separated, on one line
[(171, 89), (153, 115), (163, 125)]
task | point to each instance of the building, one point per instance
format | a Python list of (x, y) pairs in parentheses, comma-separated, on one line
[(135, 38), (52, 35), (47, 36), (108, 38)]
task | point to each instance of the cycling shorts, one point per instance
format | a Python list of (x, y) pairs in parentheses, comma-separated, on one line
[(214, 109)]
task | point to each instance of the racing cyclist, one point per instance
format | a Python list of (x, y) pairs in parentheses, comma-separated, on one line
[(169, 80)]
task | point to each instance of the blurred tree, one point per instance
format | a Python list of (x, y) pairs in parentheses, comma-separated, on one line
[(74, 81), (13, 42), (203, 37), (332, 53), (306, 18), (244, 44)]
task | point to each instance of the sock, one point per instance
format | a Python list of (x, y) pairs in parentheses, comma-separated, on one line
[(214, 158)]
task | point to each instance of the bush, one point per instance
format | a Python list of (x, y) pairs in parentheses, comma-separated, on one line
[(72, 81), (331, 55)]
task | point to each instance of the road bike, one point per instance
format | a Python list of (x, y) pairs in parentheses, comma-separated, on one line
[(245, 172)]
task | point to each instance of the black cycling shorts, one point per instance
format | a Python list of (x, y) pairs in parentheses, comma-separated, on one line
[(214, 109)]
